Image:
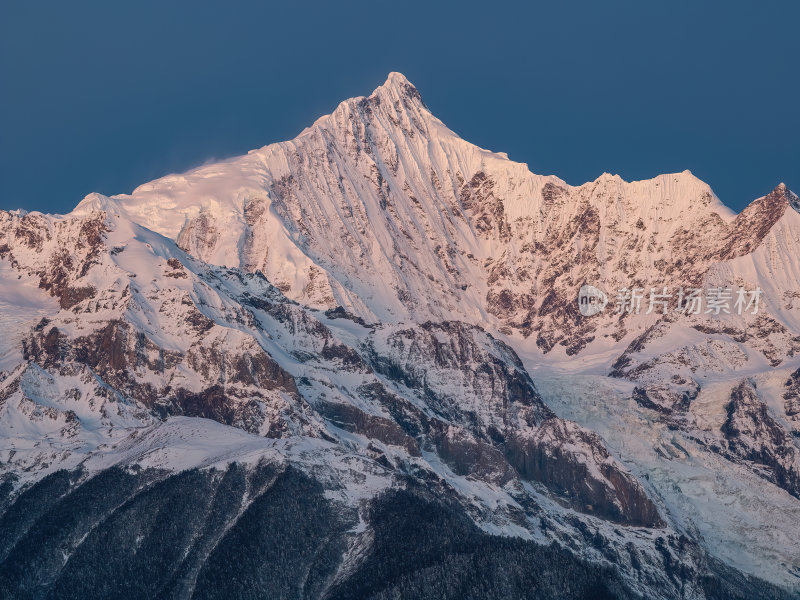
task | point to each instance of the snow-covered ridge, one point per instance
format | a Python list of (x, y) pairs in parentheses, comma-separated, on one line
[(380, 208)]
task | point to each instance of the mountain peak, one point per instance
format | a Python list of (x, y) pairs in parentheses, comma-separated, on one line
[(397, 86), (783, 190), (779, 189), (782, 195), (95, 202), (758, 219), (397, 79)]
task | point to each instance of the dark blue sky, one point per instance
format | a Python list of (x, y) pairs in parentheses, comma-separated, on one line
[(104, 96)]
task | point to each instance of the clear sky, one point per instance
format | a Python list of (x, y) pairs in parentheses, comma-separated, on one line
[(103, 96)]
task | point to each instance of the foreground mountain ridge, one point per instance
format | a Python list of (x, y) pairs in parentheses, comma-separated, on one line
[(379, 308)]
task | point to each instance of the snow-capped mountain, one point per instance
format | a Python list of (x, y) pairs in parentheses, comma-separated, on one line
[(378, 310), (381, 186)]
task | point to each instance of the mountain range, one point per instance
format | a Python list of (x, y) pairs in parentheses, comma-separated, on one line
[(354, 365)]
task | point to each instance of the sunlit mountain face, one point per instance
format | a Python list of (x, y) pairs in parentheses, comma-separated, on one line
[(377, 361)]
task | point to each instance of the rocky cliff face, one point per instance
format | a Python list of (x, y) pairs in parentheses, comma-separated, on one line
[(753, 435)]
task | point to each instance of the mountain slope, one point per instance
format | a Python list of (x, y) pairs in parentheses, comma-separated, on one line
[(125, 373)]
